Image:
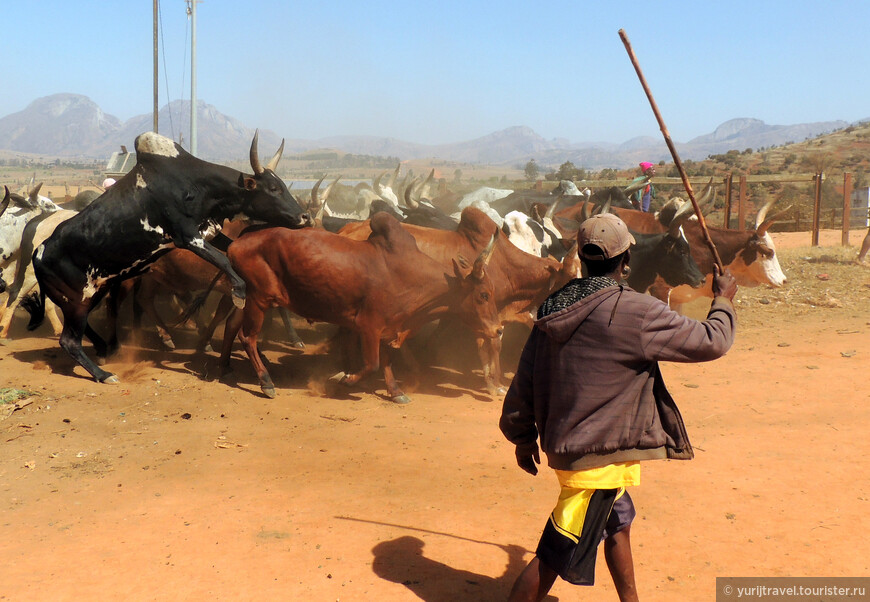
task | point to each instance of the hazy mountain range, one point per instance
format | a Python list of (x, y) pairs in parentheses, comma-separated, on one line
[(72, 125)]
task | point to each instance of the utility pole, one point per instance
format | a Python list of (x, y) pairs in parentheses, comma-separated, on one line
[(192, 77), (156, 98)]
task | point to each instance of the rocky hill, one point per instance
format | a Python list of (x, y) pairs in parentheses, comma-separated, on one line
[(66, 125)]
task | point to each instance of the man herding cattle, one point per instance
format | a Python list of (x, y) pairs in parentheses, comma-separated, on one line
[(169, 199), (589, 387)]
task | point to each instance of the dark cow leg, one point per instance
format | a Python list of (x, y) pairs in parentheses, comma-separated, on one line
[(138, 309), (231, 329), (225, 306), (292, 335), (371, 344), (75, 325), (219, 260), (490, 357), (101, 348), (252, 322), (113, 301), (145, 299), (396, 393)]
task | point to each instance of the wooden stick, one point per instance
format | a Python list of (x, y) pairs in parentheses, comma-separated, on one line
[(672, 148)]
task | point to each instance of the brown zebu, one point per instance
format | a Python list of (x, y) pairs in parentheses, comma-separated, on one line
[(383, 288), (522, 281)]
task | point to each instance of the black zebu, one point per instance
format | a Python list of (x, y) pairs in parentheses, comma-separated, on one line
[(169, 199)]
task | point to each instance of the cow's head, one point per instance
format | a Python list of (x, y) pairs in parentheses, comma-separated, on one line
[(613, 196), (676, 265), (267, 198), (477, 307), (757, 262)]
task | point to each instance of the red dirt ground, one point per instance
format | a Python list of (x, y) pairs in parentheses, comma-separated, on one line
[(172, 487)]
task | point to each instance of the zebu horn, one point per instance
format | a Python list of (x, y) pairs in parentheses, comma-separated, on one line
[(711, 205), (767, 223), (684, 213), (584, 211), (483, 259), (273, 162), (401, 190), (424, 188), (255, 155), (635, 187), (708, 191), (376, 183), (6, 198), (330, 188), (762, 213), (409, 201), (313, 202), (395, 176), (552, 210), (34, 194)]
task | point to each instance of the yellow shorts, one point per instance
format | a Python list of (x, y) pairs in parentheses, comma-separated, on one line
[(581, 520)]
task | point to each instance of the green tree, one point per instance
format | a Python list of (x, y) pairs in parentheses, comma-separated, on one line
[(568, 171), (531, 170)]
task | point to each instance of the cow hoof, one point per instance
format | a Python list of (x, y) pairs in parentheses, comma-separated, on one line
[(111, 380), (338, 378), (298, 345), (268, 392), (239, 302), (168, 344), (401, 399)]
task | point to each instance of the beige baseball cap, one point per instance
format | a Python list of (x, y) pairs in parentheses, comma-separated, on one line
[(607, 232)]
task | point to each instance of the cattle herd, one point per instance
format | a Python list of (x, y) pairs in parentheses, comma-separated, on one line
[(379, 261)]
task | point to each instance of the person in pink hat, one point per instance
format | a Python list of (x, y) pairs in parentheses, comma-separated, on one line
[(642, 198)]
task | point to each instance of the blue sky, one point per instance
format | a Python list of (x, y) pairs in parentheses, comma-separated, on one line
[(452, 71)]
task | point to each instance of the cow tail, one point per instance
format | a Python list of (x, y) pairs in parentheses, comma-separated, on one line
[(198, 301), (34, 304)]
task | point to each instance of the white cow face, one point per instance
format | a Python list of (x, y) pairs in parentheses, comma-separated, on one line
[(758, 264)]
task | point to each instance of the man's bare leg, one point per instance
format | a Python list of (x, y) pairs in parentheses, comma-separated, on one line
[(533, 583), (617, 552)]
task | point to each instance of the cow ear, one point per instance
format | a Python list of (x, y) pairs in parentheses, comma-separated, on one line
[(250, 184)]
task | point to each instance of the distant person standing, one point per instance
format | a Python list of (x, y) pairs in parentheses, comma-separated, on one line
[(865, 247), (641, 198)]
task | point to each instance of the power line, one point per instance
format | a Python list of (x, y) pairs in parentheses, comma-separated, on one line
[(165, 71)]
